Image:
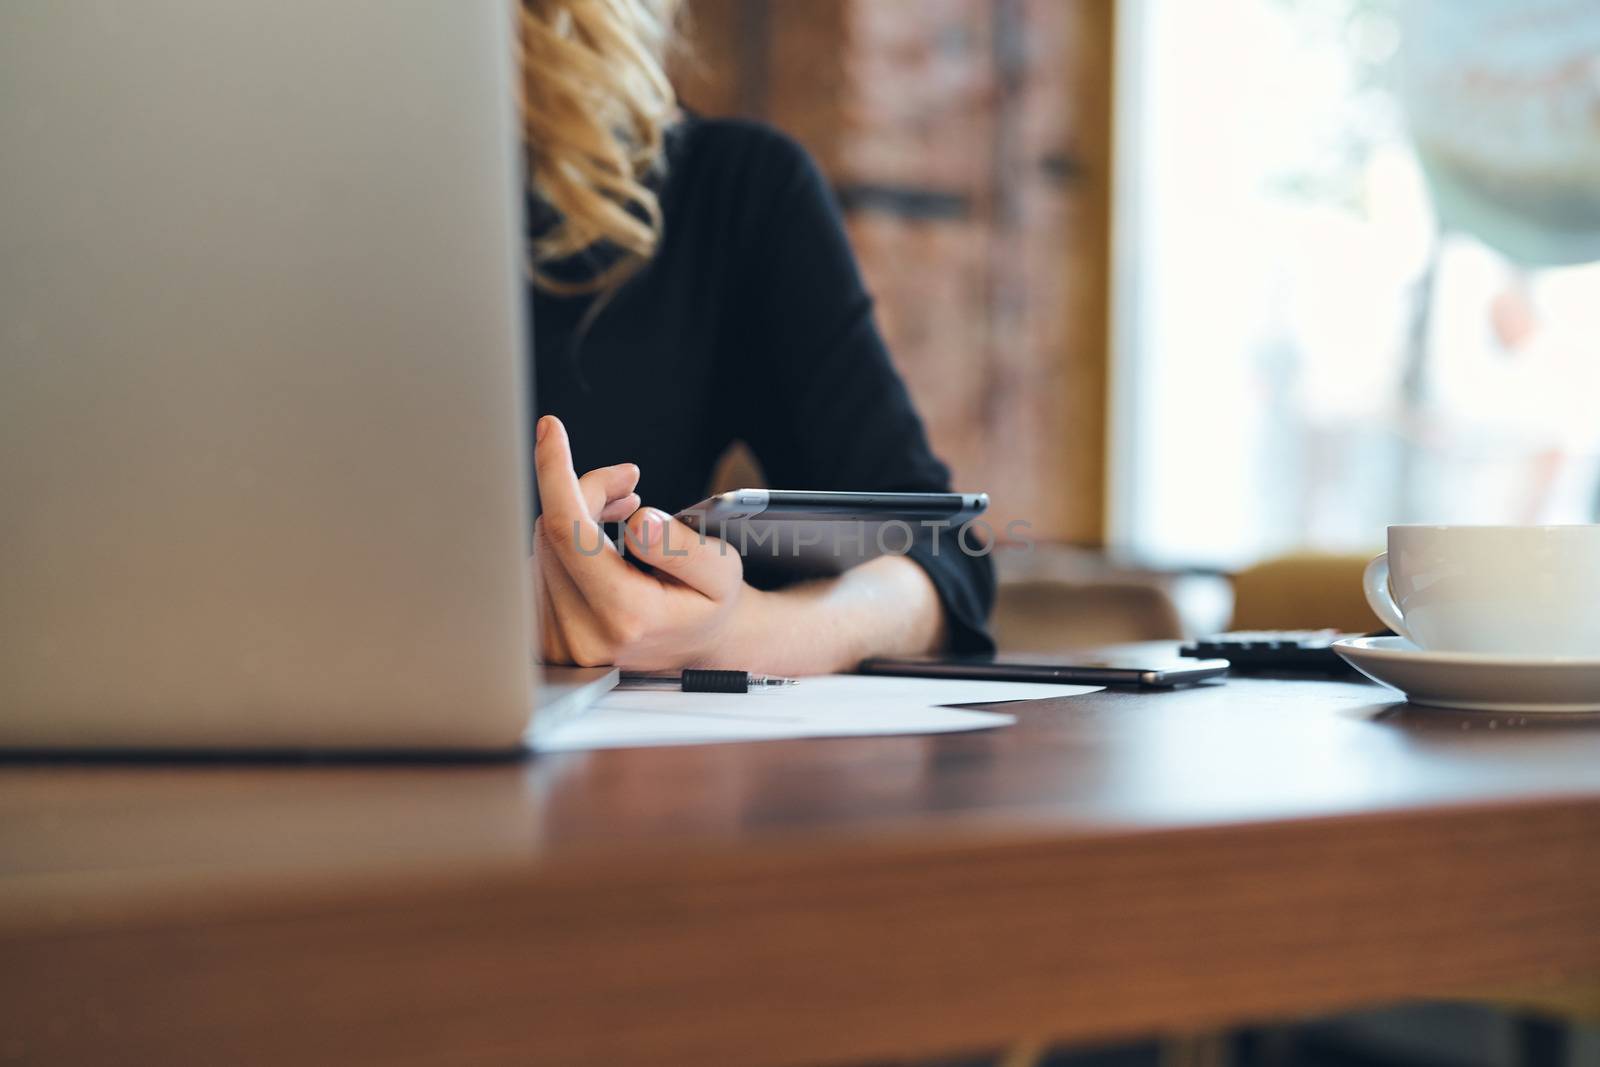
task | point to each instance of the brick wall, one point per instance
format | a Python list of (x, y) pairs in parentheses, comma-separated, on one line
[(968, 143)]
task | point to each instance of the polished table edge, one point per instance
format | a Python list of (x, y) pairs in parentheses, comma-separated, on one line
[(812, 950), (82, 901)]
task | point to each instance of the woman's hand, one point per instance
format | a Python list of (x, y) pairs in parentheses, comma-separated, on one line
[(692, 607), (594, 607)]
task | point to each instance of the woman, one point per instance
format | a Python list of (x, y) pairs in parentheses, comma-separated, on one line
[(692, 286)]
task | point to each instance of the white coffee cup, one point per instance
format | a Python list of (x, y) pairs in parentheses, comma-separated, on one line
[(1511, 590)]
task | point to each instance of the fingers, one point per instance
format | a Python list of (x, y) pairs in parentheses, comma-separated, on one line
[(572, 507), (592, 595), (605, 488), (563, 509), (705, 564), (619, 510), (594, 607)]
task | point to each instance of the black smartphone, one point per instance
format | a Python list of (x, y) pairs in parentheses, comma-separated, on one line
[(1144, 672)]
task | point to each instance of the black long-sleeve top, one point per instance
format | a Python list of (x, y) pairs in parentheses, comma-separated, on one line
[(749, 323)]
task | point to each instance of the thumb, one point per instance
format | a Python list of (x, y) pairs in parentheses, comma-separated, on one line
[(705, 564)]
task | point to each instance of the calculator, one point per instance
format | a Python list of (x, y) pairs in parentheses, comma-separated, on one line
[(1289, 651)]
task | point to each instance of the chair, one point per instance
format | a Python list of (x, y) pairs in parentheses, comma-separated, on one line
[(1305, 591), (1050, 615)]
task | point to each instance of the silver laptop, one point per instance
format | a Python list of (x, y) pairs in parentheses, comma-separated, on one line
[(263, 472)]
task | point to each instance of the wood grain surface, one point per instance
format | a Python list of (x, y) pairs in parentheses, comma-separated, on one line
[(1115, 864)]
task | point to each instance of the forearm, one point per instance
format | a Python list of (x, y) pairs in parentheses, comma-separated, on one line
[(882, 608)]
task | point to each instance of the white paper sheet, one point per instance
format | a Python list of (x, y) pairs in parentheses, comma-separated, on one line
[(839, 705)]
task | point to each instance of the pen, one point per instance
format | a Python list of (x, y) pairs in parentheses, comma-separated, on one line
[(695, 680)]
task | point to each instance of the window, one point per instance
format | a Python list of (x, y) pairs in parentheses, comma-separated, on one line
[(1320, 330)]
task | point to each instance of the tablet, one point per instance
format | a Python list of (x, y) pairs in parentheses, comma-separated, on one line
[(805, 533)]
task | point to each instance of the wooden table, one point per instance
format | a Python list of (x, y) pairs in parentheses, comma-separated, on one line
[(1117, 864)]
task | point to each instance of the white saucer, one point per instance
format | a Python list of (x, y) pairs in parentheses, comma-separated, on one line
[(1475, 681)]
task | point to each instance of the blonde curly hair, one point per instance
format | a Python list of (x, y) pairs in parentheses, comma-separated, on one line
[(596, 106)]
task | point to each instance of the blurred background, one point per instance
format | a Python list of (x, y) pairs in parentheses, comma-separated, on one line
[(1189, 286), (1209, 293)]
